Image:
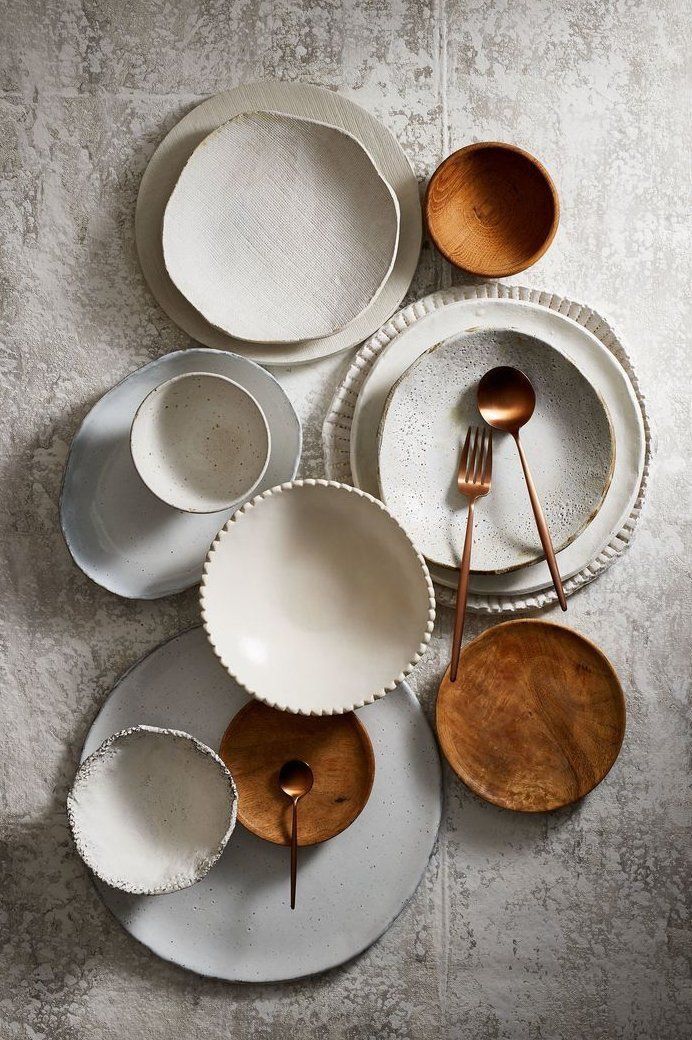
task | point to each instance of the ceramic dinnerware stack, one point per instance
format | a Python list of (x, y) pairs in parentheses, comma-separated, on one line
[(281, 223)]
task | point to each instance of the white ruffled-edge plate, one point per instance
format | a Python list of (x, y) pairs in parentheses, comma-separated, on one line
[(593, 346), (122, 536), (304, 101), (237, 924)]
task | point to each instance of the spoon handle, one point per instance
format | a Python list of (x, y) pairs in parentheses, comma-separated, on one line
[(294, 853), (542, 526)]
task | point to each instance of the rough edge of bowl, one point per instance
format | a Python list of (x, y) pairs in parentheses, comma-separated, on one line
[(540, 555), (226, 379), (300, 119), (375, 695), (499, 272), (208, 863), (559, 805), (336, 428), (155, 363)]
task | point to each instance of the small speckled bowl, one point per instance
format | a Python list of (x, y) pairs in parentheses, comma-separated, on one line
[(200, 442), (151, 810)]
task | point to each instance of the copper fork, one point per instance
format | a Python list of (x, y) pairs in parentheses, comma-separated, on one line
[(473, 480)]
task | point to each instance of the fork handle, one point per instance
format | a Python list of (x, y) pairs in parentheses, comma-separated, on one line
[(462, 595)]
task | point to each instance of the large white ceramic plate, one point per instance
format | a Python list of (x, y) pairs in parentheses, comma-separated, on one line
[(315, 600), (280, 229), (118, 532), (350, 431), (236, 924), (430, 408), (307, 102)]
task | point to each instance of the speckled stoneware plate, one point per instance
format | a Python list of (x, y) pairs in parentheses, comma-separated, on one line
[(280, 229), (568, 441), (583, 336), (307, 102), (120, 534), (237, 924)]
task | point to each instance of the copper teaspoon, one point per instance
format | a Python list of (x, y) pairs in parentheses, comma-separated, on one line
[(506, 400), (295, 780)]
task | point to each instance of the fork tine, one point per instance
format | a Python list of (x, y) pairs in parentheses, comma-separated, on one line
[(471, 468), (488, 469), (464, 453), (478, 475)]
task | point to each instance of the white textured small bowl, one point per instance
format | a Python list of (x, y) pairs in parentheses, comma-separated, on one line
[(151, 810), (315, 599), (200, 442)]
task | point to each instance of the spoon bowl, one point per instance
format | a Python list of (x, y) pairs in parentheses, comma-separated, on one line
[(506, 398)]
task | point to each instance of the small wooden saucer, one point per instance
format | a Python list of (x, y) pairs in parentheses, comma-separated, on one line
[(535, 719), (491, 209), (259, 740)]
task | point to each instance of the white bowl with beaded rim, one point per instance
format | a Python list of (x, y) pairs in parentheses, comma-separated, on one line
[(200, 442), (151, 810), (315, 599)]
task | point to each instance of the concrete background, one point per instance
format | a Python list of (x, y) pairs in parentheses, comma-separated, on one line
[(563, 926)]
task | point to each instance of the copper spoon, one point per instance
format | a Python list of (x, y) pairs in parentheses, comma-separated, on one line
[(295, 780), (506, 400)]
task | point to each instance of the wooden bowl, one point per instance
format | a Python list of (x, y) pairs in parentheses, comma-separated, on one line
[(491, 209), (259, 740), (535, 719)]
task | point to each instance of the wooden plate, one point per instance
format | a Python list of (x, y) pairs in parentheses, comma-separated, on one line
[(260, 739), (535, 719)]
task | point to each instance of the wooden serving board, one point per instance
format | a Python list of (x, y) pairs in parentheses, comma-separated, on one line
[(259, 740), (535, 719)]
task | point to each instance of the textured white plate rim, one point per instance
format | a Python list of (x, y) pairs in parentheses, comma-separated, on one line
[(109, 586), (378, 171), (377, 694), (99, 885), (209, 862), (305, 101), (337, 425), (227, 379), (539, 555)]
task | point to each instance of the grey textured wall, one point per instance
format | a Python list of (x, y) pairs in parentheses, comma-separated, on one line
[(565, 926)]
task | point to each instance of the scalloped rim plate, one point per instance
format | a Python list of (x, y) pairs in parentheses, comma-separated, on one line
[(489, 306)]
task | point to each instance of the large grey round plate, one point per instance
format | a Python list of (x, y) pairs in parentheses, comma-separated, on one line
[(568, 441), (237, 924), (118, 532), (296, 99)]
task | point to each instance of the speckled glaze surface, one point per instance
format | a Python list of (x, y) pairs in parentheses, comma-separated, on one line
[(237, 924), (351, 427), (200, 442), (121, 534), (151, 810), (551, 928), (307, 102), (280, 229), (569, 441), (315, 599)]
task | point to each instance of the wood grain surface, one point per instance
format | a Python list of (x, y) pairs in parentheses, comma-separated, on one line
[(491, 209), (259, 740), (535, 718)]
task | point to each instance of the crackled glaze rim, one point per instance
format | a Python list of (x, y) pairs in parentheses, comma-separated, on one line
[(82, 843), (337, 485), (336, 430)]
